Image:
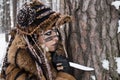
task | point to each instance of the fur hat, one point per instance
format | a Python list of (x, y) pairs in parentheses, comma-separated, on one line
[(37, 16)]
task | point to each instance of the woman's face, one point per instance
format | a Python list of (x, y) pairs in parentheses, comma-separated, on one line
[(49, 39)]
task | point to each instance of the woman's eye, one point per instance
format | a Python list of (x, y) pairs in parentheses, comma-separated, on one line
[(48, 33)]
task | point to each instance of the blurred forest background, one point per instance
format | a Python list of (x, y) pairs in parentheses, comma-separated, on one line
[(91, 38), (9, 9)]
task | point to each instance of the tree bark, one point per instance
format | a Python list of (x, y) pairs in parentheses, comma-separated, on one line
[(1, 16), (6, 15), (92, 37), (14, 4)]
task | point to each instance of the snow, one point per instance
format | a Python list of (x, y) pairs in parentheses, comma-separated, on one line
[(7, 2), (116, 4), (118, 27), (3, 46), (105, 64), (93, 77), (118, 64)]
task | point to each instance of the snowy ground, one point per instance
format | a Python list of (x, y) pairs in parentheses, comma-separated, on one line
[(3, 46)]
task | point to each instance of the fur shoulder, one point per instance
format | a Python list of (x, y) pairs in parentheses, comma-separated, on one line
[(22, 57), (18, 42)]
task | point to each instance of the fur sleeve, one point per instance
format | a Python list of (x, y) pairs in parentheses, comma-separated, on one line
[(64, 76), (14, 73)]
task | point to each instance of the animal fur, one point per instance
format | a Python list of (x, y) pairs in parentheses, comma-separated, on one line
[(24, 62)]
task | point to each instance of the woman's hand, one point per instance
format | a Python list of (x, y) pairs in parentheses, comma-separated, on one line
[(61, 63)]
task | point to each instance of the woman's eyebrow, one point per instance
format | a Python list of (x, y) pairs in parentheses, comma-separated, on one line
[(48, 31)]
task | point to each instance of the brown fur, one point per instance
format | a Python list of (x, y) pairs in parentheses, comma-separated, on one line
[(55, 20), (64, 76), (11, 72), (23, 58), (24, 61)]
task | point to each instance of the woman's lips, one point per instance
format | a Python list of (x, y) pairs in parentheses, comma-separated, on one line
[(55, 45)]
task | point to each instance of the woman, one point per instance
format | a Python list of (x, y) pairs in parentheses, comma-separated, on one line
[(35, 51)]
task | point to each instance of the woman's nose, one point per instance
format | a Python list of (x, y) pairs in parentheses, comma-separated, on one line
[(56, 38)]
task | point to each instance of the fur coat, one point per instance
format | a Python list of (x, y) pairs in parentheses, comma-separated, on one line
[(22, 66)]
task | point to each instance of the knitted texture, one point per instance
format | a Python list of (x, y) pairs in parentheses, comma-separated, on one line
[(37, 16)]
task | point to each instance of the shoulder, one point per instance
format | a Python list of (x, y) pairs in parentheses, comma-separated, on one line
[(13, 50), (19, 55)]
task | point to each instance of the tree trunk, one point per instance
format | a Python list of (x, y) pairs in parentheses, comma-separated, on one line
[(14, 4), (50, 3), (1, 16), (6, 15), (92, 37)]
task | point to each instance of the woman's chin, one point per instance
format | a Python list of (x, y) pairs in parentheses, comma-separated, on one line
[(52, 49)]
